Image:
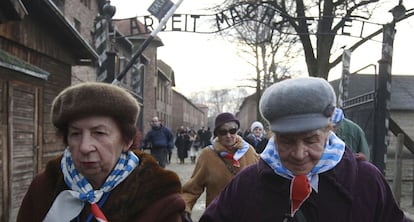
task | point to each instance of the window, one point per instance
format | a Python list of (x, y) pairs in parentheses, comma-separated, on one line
[(137, 78), (86, 3)]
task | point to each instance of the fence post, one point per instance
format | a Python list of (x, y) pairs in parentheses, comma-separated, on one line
[(396, 185)]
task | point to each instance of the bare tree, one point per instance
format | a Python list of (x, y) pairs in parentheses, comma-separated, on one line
[(265, 43), (314, 23), (222, 100), (200, 97), (330, 16)]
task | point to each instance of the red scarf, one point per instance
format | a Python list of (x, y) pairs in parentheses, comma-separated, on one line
[(99, 216), (300, 190), (230, 157)]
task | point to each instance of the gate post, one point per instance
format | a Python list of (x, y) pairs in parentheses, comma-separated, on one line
[(382, 100)]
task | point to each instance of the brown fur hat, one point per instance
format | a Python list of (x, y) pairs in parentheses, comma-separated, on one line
[(93, 98)]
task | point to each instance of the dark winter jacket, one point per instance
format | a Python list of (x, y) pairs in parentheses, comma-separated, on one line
[(353, 191), (258, 145), (149, 194), (159, 137)]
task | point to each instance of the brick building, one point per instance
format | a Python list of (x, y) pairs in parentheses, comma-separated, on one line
[(247, 113), (187, 114)]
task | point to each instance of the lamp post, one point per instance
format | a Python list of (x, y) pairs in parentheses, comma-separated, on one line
[(108, 11), (383, 92)]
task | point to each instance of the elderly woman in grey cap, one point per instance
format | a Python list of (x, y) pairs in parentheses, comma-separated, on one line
[(98, 177), (306, 173)]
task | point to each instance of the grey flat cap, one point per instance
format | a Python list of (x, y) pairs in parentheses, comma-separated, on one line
[(298, 105)]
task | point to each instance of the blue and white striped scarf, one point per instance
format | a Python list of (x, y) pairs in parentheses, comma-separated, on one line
[(82, 190), (77, 182), (332, 154), (337, 116)]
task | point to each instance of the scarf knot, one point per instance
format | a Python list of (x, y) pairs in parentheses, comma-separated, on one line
[(227, 155), (89, 196), (244, 147)]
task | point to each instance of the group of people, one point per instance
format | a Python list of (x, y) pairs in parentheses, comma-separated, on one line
[(186, 140), (304, 173), (161, 141)]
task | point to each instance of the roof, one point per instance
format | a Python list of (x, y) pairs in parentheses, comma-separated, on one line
[(47, 12), (9, 61), (166, 70), (402, 90), (11, 10)]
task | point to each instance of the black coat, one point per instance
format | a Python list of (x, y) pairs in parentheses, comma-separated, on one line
[(182, 141), (258, 145)]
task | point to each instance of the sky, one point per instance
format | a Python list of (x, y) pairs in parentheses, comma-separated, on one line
[(203, 62)]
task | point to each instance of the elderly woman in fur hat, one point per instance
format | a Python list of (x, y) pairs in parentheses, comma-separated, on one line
[(306, 173), (218, 163), (98, 177)]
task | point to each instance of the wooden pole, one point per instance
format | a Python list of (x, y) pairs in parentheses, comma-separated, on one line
[(383, 99), (412, 198), (396, 185)]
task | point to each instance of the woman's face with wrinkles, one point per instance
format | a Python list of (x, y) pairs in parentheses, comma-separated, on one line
[(300, 152)]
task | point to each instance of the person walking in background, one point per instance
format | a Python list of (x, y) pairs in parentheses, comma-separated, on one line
[(192, 145), (245, 133), (351, 133), (161, 141), (257, 137), (98, 177), (218, 163), (181, 142), (306, 173), (200, 134), (206, 138)]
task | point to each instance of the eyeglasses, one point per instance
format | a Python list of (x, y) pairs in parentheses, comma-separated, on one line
[(223, 132)]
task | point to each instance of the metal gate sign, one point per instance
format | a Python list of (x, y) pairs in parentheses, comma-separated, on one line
[(160, 7)]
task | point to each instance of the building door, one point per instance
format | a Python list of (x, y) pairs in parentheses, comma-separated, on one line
[(3, 143), (19, 120)]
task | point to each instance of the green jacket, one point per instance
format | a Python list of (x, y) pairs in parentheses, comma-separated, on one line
[(353, 136)]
